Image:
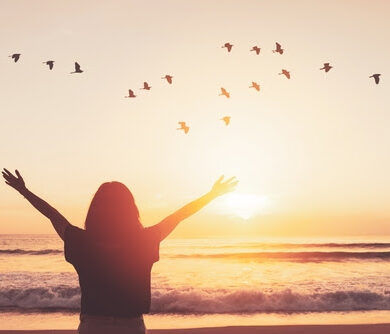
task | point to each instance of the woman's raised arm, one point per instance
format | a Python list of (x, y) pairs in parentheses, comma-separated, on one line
[(167, 225), (59, 221)]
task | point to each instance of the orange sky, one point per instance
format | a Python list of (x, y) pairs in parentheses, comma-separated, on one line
[(311, 153)]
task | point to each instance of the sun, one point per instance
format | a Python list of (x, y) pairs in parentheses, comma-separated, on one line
[(244, 205)]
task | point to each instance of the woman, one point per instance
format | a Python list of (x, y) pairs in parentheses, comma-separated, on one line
[(114, 254)]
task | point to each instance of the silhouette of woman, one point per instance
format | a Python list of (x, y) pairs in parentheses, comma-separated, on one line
[(114, 254)]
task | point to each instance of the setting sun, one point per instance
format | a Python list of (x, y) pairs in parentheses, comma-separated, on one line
[(244, 205)]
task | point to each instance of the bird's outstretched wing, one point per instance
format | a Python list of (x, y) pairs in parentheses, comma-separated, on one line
[(15, 57), (77, 66)]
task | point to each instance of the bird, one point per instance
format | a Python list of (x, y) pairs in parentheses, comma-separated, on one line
[(168, 78), (376, 77), (50, 63), (77, 68), (256, 48), (131, 94), (15, 57), (226, 119), (255, 85), (278, 49), (224, 92), (146, 86), (183, 127), (286, 73), (228, 46), (326, 67)]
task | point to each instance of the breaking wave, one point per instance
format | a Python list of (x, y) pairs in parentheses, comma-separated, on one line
[(205, 301), (30, 252)]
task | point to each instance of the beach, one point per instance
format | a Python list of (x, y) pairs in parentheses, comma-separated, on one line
[(297, 329)]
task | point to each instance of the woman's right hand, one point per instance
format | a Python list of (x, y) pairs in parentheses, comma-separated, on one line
[(15, 182), (220, 188)]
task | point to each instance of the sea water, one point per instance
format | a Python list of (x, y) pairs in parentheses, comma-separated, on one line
[(211, 282)]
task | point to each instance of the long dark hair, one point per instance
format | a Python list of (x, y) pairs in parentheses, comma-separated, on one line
[(113, 214)]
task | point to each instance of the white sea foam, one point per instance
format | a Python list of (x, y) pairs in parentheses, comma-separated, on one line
[(206, 300), (213, 276)]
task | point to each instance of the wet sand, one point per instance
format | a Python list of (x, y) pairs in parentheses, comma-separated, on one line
[(288, 329)]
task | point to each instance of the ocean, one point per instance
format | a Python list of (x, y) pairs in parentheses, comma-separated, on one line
[(203, 282)]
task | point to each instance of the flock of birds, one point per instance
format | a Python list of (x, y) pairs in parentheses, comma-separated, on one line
[(226, 119)]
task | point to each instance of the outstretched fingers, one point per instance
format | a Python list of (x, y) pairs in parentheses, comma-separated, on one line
[(7, 172), (7, 178), (18, 174), (6, 175), (233, 184), (220, 179), (229, 180), (12, 180)]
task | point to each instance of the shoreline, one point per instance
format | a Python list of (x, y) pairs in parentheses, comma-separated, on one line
[(285, 329)]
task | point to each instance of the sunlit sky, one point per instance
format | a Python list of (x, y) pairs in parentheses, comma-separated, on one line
[(311, 153)]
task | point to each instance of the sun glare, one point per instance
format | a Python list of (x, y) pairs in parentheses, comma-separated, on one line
[(244, 205)]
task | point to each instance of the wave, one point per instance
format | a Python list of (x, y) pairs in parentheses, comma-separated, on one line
[(346, 245), (41, 298), (262, 246), (292, 256), (305, 256), (250, 301), (363, 245), (206, 301), (30, 252)]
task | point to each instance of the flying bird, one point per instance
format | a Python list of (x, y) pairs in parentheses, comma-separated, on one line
[(183, 127), (224, 92), (256, 48), (286, 73), (376, 77), (77, 68), (255, 85), (228, 46), (131, 94), (146, 86), (278, 49), (326, 67), (50, 63), (226, 119), (15, 57), (168, 78)]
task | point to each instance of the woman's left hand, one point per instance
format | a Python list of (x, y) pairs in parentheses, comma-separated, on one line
[(221, 188), (15, 182)]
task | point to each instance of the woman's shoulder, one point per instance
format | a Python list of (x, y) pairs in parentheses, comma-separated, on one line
[(152, 232), (72, 231)]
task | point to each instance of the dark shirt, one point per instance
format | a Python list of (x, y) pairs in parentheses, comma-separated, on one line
[(114, 278)]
